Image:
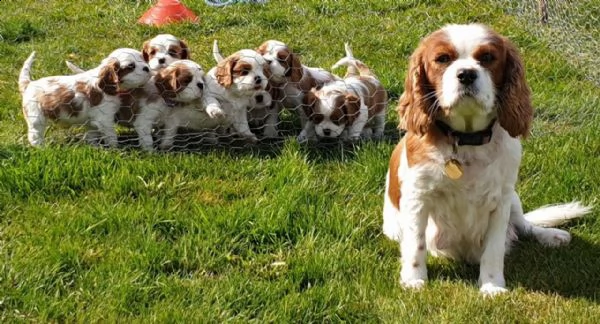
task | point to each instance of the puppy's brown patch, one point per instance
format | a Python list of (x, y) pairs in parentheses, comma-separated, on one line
[(172, 80), (376, 101), (93, 94), (60, 101)]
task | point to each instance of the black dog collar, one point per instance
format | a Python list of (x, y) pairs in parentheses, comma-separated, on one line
[(460, 138)]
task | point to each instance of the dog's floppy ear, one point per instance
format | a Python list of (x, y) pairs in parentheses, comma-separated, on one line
[(108, 78), (296, 67), (309, 102), (166, 82), (225, 71), (351, 108), (146, 51), (185, 51)]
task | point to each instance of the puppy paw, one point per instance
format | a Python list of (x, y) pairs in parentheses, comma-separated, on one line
[(413, 284), (553, 237), (491, 290), (214, 111), (270, 132)]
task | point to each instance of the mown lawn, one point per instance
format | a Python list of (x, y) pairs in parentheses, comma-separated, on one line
[(282, 232)]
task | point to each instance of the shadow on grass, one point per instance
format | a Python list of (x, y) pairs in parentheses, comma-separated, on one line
[(571, 271)]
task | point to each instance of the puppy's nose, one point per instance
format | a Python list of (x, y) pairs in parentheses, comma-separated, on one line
[(257, 79), (259, 98), (161, 60), (146, 69), (466, 76), (326, 131), (200, 85)]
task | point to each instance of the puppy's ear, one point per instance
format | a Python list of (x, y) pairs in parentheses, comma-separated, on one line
[(296, 67), (166, 82), (308, 104), (108, 78), (185, 51), (225, 71), (351, 108), (267, 71), (515, 112), (146, 51)]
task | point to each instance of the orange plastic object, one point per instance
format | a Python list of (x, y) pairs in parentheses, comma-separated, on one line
[(167, 11)]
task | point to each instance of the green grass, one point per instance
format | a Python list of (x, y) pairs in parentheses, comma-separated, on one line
[(282, 233)]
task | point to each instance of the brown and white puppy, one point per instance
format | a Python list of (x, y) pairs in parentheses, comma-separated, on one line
[(180, 84), (89, 98), (158, 52), (450, 187), (232, 87), (350, 109), (163, 50), (262, 114), (290, 79)]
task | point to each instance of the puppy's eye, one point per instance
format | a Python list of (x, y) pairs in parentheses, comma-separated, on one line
[(172, 53), (486, 58), (244, 72), (153, 52), (131, 66), (443, 58), (200, 85)]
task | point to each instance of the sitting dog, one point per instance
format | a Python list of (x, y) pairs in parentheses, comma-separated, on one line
[(89, 98), (450, 186), (350, 109)]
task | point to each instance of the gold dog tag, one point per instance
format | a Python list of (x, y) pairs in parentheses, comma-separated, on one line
[(453, 169)]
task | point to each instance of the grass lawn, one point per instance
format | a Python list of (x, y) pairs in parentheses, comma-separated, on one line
[(282, 232)]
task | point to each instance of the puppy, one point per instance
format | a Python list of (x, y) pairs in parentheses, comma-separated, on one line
[(176, 87), (290, 79), (233, 85), (262, 114), (89, 98), (450, 186), (158, 52), (348, 109), (163, 50)]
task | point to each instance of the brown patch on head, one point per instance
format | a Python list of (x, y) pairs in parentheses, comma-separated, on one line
[(309, 106), (394, 182), (148, 51), (347, 109), (172, 80), (416, 107), (108, 78), (58, 102), (225, 70)]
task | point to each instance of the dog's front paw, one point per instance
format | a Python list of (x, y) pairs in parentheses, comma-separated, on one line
[(491, 290), (413, 284), (214, 111)]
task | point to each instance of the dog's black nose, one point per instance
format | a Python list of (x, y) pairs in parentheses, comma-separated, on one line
[(257, 79), (200, 85), (146, 69), (259, 98), (466, 76), (326, 131), (161, 61)]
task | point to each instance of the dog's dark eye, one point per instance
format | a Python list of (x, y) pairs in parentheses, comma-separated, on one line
[(317, 118), (152, 52), (244, 72), (486, 58), (131, 66), (172, 53), (443, 58)]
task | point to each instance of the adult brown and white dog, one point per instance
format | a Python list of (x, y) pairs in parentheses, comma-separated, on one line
[(232, 87), (88, 98), (450, 187), (290, 79), (351, 109)]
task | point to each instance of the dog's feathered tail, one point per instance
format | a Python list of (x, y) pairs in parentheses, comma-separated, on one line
[(25, 75), (355, 67), (217, 53), (554, 215)]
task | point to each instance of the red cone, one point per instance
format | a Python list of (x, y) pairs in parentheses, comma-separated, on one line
[(167, 11)]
